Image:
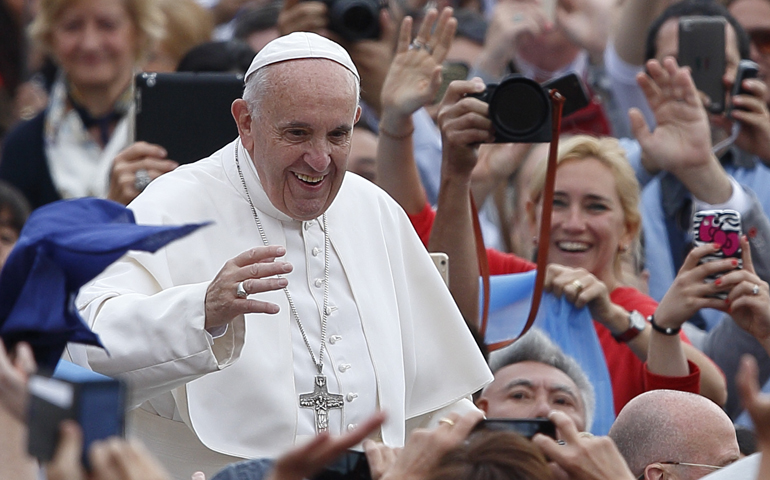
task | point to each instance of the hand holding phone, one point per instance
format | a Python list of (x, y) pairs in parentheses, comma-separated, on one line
[(722, 227)]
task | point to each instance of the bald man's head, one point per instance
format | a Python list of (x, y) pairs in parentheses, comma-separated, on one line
[(670, 426)]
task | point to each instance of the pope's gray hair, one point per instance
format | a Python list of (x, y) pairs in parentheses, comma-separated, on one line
[(535, 346), (258, 85)]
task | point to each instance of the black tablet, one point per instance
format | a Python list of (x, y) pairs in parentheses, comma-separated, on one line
[(186, 113)]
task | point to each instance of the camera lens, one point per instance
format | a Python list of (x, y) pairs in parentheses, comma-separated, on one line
[(519, 106), (355, 19)]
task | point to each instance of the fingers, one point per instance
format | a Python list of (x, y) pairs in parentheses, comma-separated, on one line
[(259, 253), (24, 359), (442, 38), (747, 382), (423, 35), (66, 464), (404, 35), (577, 285), (748, 263), (253, 271)]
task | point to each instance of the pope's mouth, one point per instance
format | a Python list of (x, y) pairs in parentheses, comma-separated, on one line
[(572, 247), (308, 179)]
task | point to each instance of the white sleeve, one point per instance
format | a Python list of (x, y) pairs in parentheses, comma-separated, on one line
[(154, 337)]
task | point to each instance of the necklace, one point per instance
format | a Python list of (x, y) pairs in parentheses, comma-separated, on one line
[(320, 400)]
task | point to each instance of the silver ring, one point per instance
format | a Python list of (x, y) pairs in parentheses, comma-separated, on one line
[(518, 17), (416, 45), (141, 179), (755, 289), (241, 292)]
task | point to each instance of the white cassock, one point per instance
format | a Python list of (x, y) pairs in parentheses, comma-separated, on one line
[(396, 341)]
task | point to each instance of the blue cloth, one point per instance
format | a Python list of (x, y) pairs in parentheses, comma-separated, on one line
[(62, 246), (256, 469), (570, 328)]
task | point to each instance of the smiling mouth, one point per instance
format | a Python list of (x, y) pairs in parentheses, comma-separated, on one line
[(572, 246), (308, 178)]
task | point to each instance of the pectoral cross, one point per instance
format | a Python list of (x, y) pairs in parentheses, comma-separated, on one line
[(321, 401)]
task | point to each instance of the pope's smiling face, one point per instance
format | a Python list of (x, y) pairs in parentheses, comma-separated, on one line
[(299, 137)]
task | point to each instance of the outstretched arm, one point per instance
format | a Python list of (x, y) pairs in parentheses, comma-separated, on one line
[(412, 81), (464, 124)]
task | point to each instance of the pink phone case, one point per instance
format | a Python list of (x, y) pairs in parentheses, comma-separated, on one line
[(722, 227)]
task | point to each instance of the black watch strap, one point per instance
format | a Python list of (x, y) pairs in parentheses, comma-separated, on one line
[(665, 331)]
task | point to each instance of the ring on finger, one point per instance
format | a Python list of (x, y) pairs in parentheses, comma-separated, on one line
[(240, 291), (578, 285), (141, 179), (416, 45), (447, 421), (585, 434), (755, 289), (518, 17)]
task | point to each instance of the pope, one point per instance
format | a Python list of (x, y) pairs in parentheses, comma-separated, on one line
[(307, 306)]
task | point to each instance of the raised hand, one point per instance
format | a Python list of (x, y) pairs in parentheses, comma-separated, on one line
[(512, 22), (307, 460), (680, 143), (425, 448), (256, 269), (586, 23), (415, 74), (689, 292)]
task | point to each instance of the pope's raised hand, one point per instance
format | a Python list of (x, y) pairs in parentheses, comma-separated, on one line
[(253, 271)]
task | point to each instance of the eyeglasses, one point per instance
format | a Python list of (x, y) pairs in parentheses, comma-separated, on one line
[(761, 40), (684, 464)]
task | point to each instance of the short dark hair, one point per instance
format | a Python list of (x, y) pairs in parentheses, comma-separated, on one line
[(706, 8)]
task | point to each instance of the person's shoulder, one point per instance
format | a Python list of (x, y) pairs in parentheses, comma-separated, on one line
[(24, 131)]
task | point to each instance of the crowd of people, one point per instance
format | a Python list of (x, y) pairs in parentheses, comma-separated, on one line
[(308, 318)]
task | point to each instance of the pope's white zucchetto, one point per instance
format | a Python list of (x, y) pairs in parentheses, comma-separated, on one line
[(298, 46)]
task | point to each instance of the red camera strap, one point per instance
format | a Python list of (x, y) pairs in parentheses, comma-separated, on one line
[(557, 103)]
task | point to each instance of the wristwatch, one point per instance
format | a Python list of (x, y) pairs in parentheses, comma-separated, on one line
[(636, 325)]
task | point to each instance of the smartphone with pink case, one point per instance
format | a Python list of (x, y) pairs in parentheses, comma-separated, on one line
[(722, 227)]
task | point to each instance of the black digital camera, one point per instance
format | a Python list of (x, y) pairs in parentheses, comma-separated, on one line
[(520, 110), (354, 20)]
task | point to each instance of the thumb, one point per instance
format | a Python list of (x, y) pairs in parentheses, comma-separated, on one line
[(639, 127), (66, 464)]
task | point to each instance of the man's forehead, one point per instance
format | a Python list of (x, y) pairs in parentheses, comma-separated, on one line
[(535, 374)]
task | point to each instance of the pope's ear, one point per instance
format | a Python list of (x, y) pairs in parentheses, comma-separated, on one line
[(243, 119)]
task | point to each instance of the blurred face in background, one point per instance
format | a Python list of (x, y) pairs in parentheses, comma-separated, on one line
[(95, 43), (754, 17)]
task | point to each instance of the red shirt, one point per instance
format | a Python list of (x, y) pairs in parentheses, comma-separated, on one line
[(629, 375)]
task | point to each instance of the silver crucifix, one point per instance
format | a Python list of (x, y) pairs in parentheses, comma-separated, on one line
[(321, 401)]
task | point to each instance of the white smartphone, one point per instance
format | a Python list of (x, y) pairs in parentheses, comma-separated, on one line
[(441, 260)]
